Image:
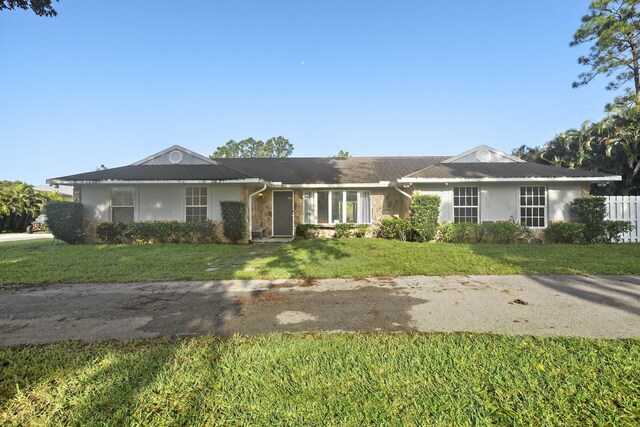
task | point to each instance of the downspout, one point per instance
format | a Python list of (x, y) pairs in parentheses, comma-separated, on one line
[(251, 208), (404, 193)]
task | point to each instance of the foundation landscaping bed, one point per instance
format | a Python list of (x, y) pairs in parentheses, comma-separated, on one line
[(40, 262)]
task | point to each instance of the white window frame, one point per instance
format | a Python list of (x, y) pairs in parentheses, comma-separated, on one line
[(111, 204), (205, 206), (343, 213), (454, 206), (544, 207)]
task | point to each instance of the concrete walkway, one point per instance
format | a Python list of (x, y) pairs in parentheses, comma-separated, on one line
[(592, 306), (15, 237)]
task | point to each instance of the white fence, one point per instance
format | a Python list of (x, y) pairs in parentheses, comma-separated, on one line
[(626, 208)]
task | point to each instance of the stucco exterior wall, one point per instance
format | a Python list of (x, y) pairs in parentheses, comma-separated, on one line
[(155, 202), (559, 195), (501, 201), (95, 199)]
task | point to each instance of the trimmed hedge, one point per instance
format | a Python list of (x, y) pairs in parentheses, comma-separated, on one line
[(233, 219), (171, 232), (65, 221), (342, 230), (565, 232), (156, 232), (395, 228), (112, 233), (304, 230), (462, 232), (503, 232), (424, 213), (487, 232)]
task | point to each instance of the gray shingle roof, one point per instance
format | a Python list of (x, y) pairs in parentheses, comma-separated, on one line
[(501, 170), (160, 173), (328, 170)]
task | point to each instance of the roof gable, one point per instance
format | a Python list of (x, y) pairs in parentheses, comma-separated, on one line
[(176, 155), (483, 154)]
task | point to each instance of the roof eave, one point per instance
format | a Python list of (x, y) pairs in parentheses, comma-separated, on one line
[(407, 180), (58, 181)]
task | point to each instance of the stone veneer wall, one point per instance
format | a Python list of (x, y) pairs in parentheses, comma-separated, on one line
[(262, 209), (388, 202), (385, 202)]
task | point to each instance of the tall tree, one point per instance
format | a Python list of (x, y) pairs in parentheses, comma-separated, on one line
[(273, 147), (342, 154), (39, 7), (612, 27)]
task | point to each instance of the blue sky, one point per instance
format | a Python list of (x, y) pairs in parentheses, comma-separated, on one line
[(110, 82)]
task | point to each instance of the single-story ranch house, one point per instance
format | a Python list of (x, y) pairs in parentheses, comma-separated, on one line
[(482, 184)]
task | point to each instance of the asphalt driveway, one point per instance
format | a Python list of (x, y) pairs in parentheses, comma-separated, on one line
[(592, 306)]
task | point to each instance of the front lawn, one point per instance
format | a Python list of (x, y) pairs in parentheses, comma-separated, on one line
[(399, 379), (35, 262)]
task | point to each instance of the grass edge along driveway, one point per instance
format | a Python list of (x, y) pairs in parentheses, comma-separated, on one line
[(39, 262), (320, 379)]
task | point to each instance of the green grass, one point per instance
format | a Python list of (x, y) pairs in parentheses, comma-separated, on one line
[(36, 262), (397, 379)]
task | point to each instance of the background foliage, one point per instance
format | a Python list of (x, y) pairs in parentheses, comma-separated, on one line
[(20, 204), (250, 148)]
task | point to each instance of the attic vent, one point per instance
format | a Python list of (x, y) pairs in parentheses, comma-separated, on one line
[(483, 155), (175, 157)]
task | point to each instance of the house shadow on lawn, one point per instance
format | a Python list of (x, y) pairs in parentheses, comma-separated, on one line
[(289, 260), (107, 383), (622, 293)]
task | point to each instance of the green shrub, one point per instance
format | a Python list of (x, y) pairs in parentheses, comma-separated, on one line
[(614, 229), (65, 220), (424, 213), (565, 232), (360, 230), (112, 232), (342, 230), (503, 231), (234, 221), (462, 232), (171, 232), (395, 228), (304, 230), (592, 212)]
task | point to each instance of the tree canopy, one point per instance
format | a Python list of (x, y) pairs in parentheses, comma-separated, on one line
[(342, 154), (273, 147), (611, 145), (612, 28), (20, 204), (39, 7)]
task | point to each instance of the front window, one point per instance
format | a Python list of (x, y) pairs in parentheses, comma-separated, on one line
[(122, 204), (533, 201), (335, 207), (196, 204), (465, 204)]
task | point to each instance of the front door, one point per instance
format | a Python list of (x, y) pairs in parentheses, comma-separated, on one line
[(283, 213)]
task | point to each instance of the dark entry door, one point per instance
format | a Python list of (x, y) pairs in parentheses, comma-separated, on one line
[(283, 213)]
